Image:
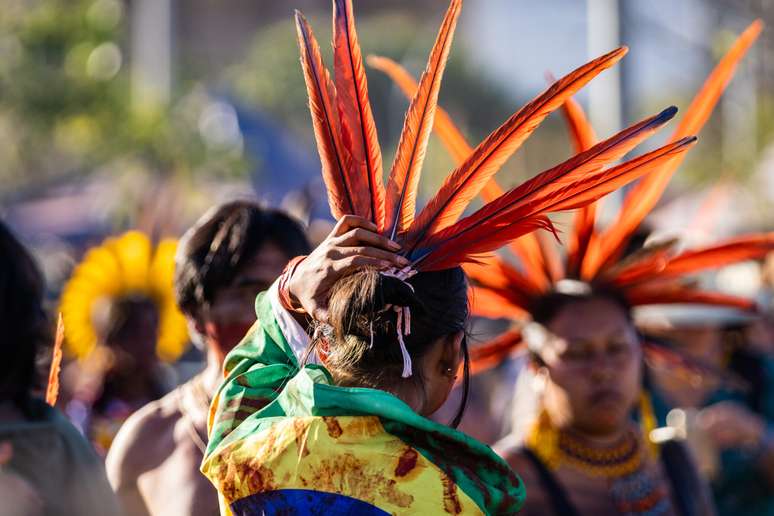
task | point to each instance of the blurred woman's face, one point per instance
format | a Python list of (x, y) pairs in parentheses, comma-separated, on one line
[(593, 360)]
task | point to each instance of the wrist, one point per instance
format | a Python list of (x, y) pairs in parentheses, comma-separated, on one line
[(287, 297)]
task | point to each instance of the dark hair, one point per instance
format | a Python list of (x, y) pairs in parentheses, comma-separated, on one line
[(212, 252), (544, 308), (363, 344), (22, 319)]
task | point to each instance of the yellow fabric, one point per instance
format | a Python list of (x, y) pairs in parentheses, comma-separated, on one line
[(352, 456)]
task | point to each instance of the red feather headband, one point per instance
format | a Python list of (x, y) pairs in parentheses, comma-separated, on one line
[(437, 238), (654, 275)]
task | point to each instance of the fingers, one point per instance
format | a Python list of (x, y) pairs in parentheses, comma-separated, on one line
[(348, 222), (345, 265), (361, 236), (390, 259)]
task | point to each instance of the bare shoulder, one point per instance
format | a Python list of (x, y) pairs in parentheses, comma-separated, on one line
[(145, 436)]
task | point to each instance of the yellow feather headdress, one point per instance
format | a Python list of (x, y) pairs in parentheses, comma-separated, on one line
[(127, 265)]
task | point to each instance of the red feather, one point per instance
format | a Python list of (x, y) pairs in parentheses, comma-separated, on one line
[(468, 179), (603, 182), (406, 169), (531, 197), (526, 248), (343, 186), (352, 96), (455, 247)]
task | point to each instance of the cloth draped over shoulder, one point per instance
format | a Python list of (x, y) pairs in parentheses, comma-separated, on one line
[(284, 439)]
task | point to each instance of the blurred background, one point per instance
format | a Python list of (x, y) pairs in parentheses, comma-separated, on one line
[(142, 113)]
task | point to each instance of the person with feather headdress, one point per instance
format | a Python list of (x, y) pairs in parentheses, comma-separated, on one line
[(123, 326), (579, 450), (235, 250), (338, 423), (46, 467)]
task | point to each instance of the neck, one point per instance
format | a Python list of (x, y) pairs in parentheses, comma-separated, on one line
[(212, 374), (598, 439)]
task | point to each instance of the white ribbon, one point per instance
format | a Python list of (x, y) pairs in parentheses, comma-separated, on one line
[(403, 315)]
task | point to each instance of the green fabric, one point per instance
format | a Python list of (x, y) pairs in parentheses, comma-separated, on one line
[(264, 384)]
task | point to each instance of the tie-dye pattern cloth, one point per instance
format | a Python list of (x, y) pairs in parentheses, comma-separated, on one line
[(285, 440)]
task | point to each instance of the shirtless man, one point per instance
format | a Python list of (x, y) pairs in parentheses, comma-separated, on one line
[(233, 252)]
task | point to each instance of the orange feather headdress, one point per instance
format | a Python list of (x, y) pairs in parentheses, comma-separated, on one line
[(654, 275), (438, 236)]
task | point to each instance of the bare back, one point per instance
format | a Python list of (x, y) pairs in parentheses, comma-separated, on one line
[(153, 464)]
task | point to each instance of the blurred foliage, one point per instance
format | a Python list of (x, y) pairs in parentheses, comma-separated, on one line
[(65, 102)]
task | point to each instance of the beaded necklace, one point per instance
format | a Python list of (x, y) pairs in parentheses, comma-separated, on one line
[(555, 447), (634, 489)]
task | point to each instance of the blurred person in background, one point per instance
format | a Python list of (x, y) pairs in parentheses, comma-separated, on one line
[(46, 467), (235, 251), (578, 448), (123, 328), (733, 402)]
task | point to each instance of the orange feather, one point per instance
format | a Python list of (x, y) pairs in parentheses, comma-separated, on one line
[(467, 180), (686, 295), (602, 183), (52, 391), (353, 103), (493, 353), (529, 198), (494, 304), (748, 247), (451, 137), (497, 273), (642, 198), (526, 248), (404, 176), (570, 185), (583, 137), (342, 184)]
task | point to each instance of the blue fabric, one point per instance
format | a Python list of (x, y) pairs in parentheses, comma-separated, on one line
[(288, 502)]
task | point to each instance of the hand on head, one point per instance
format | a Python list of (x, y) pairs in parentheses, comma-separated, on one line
[(353, 243)]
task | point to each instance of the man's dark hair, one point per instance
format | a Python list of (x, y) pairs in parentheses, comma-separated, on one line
[(22, 319), (215, 249)]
